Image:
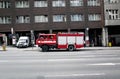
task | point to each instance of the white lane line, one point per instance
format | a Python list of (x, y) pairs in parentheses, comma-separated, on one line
[(57, 60), (105, 64), (75, 75), (42, 60), (20, 61)]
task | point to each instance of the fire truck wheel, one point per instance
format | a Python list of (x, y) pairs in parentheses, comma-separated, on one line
[(45, 48), (70, 47)]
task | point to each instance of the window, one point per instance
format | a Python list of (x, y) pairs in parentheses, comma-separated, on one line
[(94, 17), (5, 19), (77, 17), (113, 14), (58, 3), (5, 4), (41, 18), (113, 1), (23, 19), (22, 4), (93, 2), (41, 3), (76, 2), (59, 18)]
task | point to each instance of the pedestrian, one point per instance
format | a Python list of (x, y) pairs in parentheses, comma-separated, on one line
[(3, 45), (92, 43)]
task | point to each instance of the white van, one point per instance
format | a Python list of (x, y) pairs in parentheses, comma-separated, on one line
[(23, 42)]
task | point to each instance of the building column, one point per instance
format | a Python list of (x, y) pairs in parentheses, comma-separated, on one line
[(12, 30), (69, 30), (95, 38), (32, 37), (104, 36), (50, 31)]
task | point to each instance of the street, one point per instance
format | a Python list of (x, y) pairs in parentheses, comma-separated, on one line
[(87, 63)]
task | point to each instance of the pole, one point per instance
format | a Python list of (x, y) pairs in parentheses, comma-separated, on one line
[(12, 31), (32, 38), (13, 37), (87, 37)]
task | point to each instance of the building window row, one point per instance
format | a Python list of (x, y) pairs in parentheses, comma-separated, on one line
[(23, 19), (93, 2), (5, 19), (41, 18), (40, 3), (22, 4), (113, 1), (94, 17), (59, 18), (44, 18), (5, 4), (113, 14), (77, 17), (76, 2), (58, 3), (44, 3)]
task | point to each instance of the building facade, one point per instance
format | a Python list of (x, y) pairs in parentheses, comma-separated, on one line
[(112, 21), (21, 17)]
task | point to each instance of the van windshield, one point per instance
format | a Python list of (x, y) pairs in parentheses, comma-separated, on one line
[(22, 40)]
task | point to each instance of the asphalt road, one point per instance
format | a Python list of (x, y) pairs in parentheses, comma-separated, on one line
[(87, 63)]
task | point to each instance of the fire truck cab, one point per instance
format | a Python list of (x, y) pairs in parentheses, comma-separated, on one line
[(70, 41), (46, 41)]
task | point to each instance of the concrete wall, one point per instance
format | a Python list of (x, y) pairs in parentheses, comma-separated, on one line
[(108, 6)]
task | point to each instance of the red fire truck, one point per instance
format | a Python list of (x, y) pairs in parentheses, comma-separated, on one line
[(70, 41)]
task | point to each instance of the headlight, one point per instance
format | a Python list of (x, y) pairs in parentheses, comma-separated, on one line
[(38, 41)]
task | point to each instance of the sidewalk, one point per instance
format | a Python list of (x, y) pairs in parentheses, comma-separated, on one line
[(19, 49), (37, 48), (102, 48)]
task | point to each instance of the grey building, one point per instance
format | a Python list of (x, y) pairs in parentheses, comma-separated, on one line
[(112, 21)]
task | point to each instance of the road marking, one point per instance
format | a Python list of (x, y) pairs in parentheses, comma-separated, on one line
[(111, 64), (64, 59), (66, 75), (42, 60), (20, 61), (57, 60)]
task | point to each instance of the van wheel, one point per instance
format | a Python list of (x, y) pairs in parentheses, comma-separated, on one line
[(45, 48), (70, 47)]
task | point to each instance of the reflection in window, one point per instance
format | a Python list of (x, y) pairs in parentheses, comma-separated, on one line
[(77, 17), (5, 4), (58, 3), (40, 3), (41, 18), (22, 4), (94, 17), (93, 2), (76, 2), (23, 19), (5, 19), (59, 18)]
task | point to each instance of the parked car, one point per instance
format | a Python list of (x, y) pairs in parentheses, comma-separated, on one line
[(23, 41)]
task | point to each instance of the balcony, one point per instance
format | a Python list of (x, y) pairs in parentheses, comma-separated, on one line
[(112, 22)]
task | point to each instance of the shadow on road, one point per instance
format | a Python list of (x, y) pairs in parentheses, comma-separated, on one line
[(63, 50)]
